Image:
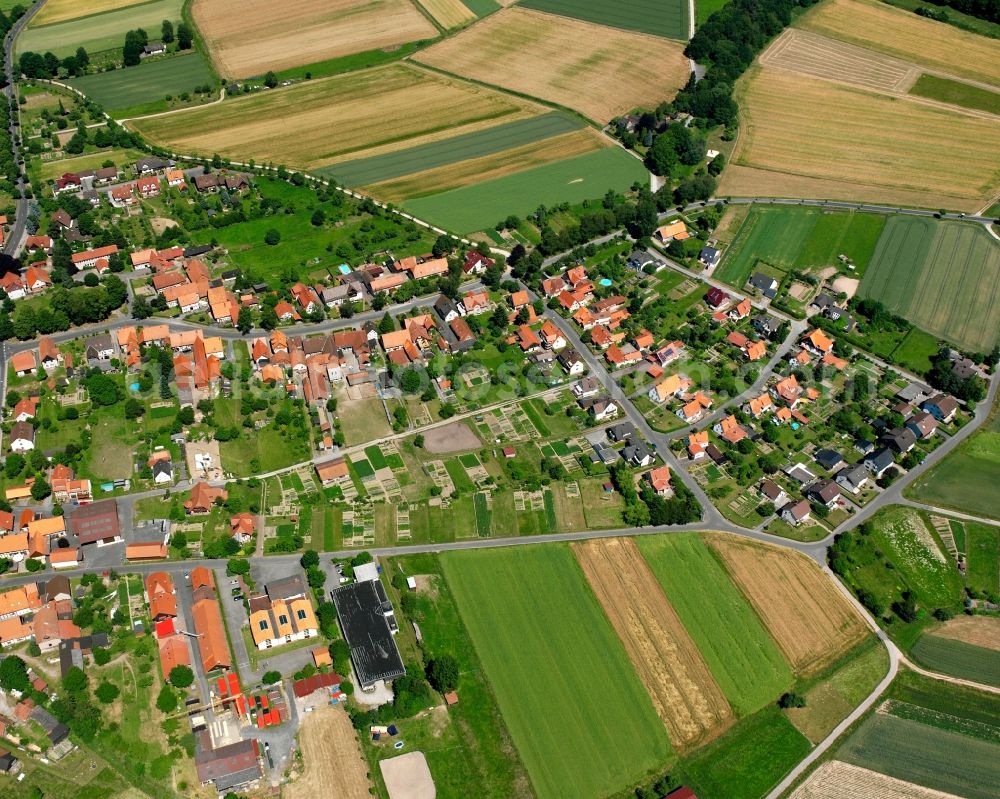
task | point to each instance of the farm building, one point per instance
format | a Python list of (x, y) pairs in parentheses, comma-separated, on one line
[(367, 620)]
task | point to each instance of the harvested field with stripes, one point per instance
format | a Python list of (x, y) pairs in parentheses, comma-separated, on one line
[(905, 35), (809, 619), (261, 37), (810, 54), (684, 692), (598, 71), (448, 13), (61, 10), (983, 631), (311, 123), (843, 142), (836, 780)]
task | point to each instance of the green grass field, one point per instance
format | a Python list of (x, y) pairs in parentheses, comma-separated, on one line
[(146, 83), (99, 32), (982, 556), (481, 7), (942, 276), (363, 171), (579, 717), (956, 93), (924, 754), (799, 238), (741, 655), (967, 479), (574, 180), (703, 9), (749, 760), (958, 659), (668, 19)]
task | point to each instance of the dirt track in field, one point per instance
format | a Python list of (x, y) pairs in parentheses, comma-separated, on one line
[(808, 618), (981, 631), (837, 780), (684, 692), (333, 762), (260, 35)]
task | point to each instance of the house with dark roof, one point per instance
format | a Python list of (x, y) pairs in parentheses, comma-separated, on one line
[(96, 523), (853, 478), (824, 492), (445, 309), (638, 453), (901, 440), (291, 587), (230, 767), (942, 407), (773, 492), (620, 431), (923, 424), (765, 284), (829, 459), (766, 325), (716, 297), (880, 460)]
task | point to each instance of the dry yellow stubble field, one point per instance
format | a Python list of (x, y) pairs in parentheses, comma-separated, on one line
[(865, 145), (448, 13), (311, 123), (981, 631), (808, 618), (334, 765), (487, 167), (905, 35), (61, 10), (260, 35), (599, 71), (837, 780), (669, 664)]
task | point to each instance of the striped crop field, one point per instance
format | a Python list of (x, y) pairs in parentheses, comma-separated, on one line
[(98, 32), (61, 10), (943, 276), (958, 659), (740, 654), (146, 83), (375, 169), (448, 13), (314, 122), (573, 180), (576, 710), (669, 19)]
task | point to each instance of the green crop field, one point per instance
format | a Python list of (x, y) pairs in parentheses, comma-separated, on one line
[(943, 276), (375, 457), (749, 760), (967, 707), (483, 515), (956, 93), (927, 755), (799, 238), (703, 9), (669, 19), (99, 32), (580, 719), (741, 655), (481, 7), (574, 180), (146, 83), (982, 557), (958, 659), (967, 479), (363, 171), (362, 467)]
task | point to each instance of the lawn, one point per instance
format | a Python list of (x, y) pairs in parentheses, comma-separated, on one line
[(958, 659), (915, 752), (668, 19), (546, 652), (496, 139), (740, 654), (982, 554), (703, 9), (799, 238), (367, 421), (943, 276), (147, 82), (749, 760), (261, 450), (956, 93), (573, 180), (98, 32)]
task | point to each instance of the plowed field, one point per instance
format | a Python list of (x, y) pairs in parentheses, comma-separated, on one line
[(808, 618), (668, 662)]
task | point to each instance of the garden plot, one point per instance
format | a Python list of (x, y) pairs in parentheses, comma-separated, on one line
[(403, 532), (439, 474), (529, 500), (359, 525), (475, 469), (943, 528)]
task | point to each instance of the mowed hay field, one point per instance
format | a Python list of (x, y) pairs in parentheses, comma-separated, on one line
[(448, 13), (660, 18), (311, 123), (146, 83), (98, 32), (684, 692), (745, 661), (260, 35), (943, 276), (809, 619), (61, 10), (837, 141), (578, 714), (905, 35), (599, 71), (836, 780)]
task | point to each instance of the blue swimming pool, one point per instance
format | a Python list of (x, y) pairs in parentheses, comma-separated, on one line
[(795, 425), (134, 387), (344, 269), (604, 281)]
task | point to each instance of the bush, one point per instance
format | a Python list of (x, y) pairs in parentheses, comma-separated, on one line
[(106, 693), (181, 676), (271, 677), (442, 673), (101, 655), (166, 701), (791, 699)]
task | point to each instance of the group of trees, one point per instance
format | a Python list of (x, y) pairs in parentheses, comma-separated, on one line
[(647, 507), (67, 307), (942, 376), (983, 9), (49, 65)]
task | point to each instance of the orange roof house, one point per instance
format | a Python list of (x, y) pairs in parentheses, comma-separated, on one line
[(201, 577), (730, 430), (818, 341), (24, 362), (672, 231), (697, 443), (789, 390), (203, 496), (332, 471), (832, 360), (519, 299), (759, 405), (755, 350), (174, 651), (212, 636), (659, 479), (145, 551)]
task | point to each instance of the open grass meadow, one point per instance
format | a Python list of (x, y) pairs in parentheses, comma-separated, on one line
[(956, 93), (363, 171), (742, 657), (97, 32), (799, 238), (958, 659), (928, 755), (668, 19), (147, 82), (982, 553), (749, 760), (576, 179), (312, 123), (943, 276), (577, 712)]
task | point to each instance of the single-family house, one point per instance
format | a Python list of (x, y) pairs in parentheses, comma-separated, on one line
[(796, 513), (853, 478), (942, 407), (878, 461)]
